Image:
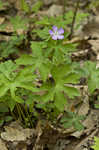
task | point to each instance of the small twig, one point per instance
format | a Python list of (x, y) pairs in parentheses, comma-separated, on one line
[(64, 4), (74, 19), (86, 139)]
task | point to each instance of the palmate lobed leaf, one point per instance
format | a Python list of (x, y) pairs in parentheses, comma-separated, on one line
[(48, 21), (60, 100), (65, 74), (93, 75), (37, 6), (78, 125), (71, 91), (24, 6), (7, 68), (49, 89), (68, 47), (19, 23), (7, 48), (25, 60), (60, 50), (43, 34), (11, 46), (40, 61), (24, 79), (55, 95), (55, 90), (43, 65), (72, 119), (8, 101), (44, 69), (3, 90), (58, 72), (72, 78), (37, 49)]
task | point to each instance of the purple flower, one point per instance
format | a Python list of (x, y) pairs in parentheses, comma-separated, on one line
[(56, 33)]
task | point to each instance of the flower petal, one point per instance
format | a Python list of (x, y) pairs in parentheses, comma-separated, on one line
[(55, 28), (60, 37), (61, 31), (51, 32), (54, 37)]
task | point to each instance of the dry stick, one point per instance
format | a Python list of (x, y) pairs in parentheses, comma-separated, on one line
[(74, 19), (86, 139), (64, 4)]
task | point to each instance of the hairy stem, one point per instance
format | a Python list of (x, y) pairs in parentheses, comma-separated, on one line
[(19, 113), (28, 115)]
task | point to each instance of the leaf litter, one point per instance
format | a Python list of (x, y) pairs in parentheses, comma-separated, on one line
[(48, 136)]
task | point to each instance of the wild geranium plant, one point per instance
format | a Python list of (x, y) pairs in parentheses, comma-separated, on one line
[(42, 78), (50, 58), (49, 63)]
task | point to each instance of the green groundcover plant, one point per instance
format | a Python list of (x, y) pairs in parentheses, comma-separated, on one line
[(40, 81), (96, 145)]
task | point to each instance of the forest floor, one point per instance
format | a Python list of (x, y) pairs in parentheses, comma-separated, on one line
[(49, 137)]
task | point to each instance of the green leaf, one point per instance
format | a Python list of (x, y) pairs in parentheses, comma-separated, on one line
[(25, 60), (96, 106), (3, 108), (56, 89), (58, 57), (2, 4), (78, 125), (72, 78), (36, 6), (18, 23), (92, 85), (7, 68), (10, 103), (41, 62), (67, 124), (1, 122), (8, 118), (44, 21), (18, 99), (25, 75), (37, 49), (49, 92), (3, 90), (44, 70), (57, 74), (96, 146), (64, 119), (72, 119), (11, 46), (43, 34), (92, 75), (60, 101), (71, 91), (68, 47), (24, 6), (23, 78)]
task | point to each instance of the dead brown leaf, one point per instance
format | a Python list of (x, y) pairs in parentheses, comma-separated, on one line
[(2, 145), (15, 132)]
